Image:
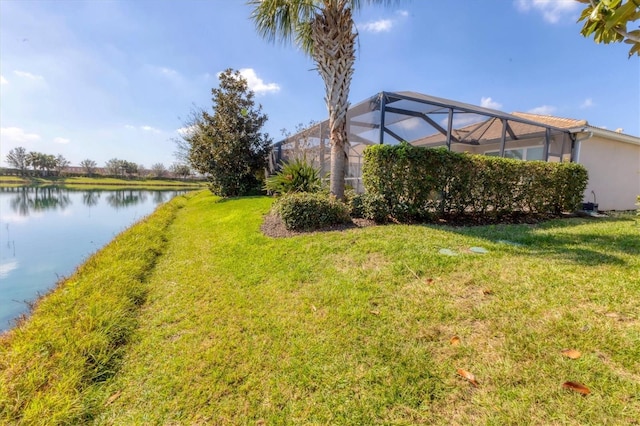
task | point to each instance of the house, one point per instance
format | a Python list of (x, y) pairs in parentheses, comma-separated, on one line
[(611, 158)]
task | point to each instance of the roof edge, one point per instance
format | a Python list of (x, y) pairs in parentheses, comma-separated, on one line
[(609, 134)]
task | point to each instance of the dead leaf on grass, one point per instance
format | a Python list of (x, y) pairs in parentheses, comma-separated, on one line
[(577, 387), (487, 292), (112, 398), (374, 312), (429, 280), (571, 353), (454, 341), (469, 376)]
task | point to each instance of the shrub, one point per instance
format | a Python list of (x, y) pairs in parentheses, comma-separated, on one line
[(421, 184), (295, 176), (307, 211), (353, 200), (375, 207)]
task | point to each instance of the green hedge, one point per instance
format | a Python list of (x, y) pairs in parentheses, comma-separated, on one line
[(421, 184), (307, 211)]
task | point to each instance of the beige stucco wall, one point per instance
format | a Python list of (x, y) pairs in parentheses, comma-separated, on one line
[(614, 172)]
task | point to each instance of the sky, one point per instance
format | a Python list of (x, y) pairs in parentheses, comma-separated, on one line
[(106, 79)]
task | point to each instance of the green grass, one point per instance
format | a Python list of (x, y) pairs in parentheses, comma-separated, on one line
[(73, 342), (354, 327)]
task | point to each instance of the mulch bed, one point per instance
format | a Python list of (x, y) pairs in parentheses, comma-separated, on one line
[(272, 225)]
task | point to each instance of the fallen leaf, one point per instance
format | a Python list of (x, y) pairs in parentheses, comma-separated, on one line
[(113, 398), (313, 308), (469, 376), (429, 280), (571, 353), (487, 292), (578, 387), (454, 341), (374, 312)]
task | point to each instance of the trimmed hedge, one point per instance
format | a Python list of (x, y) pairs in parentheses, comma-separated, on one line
[(422, 184), (307, 211), (369, 206)]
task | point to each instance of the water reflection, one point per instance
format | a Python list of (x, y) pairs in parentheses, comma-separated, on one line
[(117, 199), (28, 200), (90, 198), (46, 232)]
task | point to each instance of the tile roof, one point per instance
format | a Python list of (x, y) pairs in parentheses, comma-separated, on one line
[(563, 123), (491, 129)]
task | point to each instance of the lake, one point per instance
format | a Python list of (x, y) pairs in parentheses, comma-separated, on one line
[(47, 232)]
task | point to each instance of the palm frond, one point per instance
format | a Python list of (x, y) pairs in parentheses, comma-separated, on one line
[(282, 20)]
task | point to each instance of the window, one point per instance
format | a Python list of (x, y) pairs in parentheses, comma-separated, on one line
[(535, 153), (530, 153), (518, 154)]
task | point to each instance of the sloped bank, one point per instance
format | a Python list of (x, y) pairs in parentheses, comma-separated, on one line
[(75, 336)]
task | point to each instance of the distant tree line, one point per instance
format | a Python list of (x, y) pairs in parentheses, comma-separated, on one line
[(40, 164)]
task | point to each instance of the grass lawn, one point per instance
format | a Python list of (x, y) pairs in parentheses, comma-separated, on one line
[(354, 327)]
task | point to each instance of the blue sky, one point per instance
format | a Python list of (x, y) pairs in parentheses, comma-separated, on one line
[(102, 79)]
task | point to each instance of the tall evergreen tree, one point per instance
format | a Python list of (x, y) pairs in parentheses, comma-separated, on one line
[(228, 145)]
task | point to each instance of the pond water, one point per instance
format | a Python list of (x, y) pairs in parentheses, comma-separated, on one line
[(46, 232)]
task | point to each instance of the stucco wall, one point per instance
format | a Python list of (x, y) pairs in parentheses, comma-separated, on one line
[(614, 172)]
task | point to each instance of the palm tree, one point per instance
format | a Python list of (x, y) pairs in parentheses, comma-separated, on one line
[(325, 30)]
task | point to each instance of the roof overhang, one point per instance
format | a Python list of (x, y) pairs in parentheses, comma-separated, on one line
[(606, 134)]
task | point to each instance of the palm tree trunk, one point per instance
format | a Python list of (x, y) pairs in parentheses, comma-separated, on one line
[(334, 53)]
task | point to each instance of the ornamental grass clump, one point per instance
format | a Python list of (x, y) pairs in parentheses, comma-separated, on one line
[(308, 211), (296, 175)]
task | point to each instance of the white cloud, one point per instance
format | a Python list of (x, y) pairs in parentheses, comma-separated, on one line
[(188, 130), (168, 72), (257, 84), (150, 129), (410, 123), (463, 120), (61, 140), (17, 135), (3, 80), (552, 10), (489, 103), (28, 75), (543, 110), (588, 103), (145, 128), (381, 25)]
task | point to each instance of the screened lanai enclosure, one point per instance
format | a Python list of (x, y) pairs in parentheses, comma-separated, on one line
[(427, 121)]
